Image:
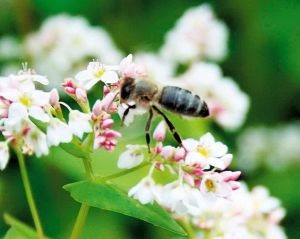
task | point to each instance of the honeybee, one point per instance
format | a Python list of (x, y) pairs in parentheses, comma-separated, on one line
[(147, 94)]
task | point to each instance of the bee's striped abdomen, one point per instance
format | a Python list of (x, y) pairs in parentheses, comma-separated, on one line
[(183, 102)]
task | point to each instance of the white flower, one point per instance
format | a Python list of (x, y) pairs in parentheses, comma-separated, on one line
[(58, 132), (132, 157), (206, 152), (181, 199), (267, 147), (79, 123), (4, 155), (197, 35), (35, 141), (19, 89), (94, 73), (145, 191), (214, 185), (128, 68), (17, 118)]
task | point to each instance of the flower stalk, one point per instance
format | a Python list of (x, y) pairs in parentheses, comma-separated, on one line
[(80, 221), (29, 196)]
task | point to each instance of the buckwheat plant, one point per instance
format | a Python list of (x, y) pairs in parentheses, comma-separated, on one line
[(188, 188)]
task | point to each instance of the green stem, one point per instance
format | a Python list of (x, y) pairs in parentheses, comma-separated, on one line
[(29, 195), (80, 221), (84, 209), (88, 168), (188, 228), (120, 174)]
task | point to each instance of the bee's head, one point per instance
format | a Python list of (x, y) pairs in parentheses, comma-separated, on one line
[(127, 87)]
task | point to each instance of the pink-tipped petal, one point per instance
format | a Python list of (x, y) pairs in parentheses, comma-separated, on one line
[(160, 132)]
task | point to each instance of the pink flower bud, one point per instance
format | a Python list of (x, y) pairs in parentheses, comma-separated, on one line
[(108, 100), (81, 94), (97, 108), (130, 69), (54, 98), (167, 152), (160, 132), (109, 133), (160, 166), (69, 86), (230, 176), (106, 90), (107, 123), (198, 170), (158, 148), (179, 154)]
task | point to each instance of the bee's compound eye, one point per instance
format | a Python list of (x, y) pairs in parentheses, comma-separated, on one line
[(125, 91)]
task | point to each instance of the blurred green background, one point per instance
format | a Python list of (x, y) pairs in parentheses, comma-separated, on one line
[(264, 59)]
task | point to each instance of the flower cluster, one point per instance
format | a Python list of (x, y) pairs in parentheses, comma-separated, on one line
[(20, 100), (62, 46), (197, 35), (32, 120), (275, 148), (247, 214), (104, 136), (196, 166)]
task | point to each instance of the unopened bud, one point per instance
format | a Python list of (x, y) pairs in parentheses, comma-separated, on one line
[(160, 132), (230, 176), (54, 98), (69, 86), (81, 94)]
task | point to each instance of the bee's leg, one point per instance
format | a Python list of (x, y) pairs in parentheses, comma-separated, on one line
[(170, 125), (148, 127), (127, 111)]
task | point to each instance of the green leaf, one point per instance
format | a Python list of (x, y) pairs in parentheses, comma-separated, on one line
[(74, 150), (40, 124), (111, 198), (18, 230)]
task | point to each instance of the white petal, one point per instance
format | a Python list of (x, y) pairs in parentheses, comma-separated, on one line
[(79, 123), (10, 94), (58, 132), (4, 155), (219, 149), (83, 76), (194, 158), (217, 162), (129, 159), (40, 98), (207, 139), (110, 77), (38, 113), (17, 110), (89, 84), (190, 144), (144, 191)]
